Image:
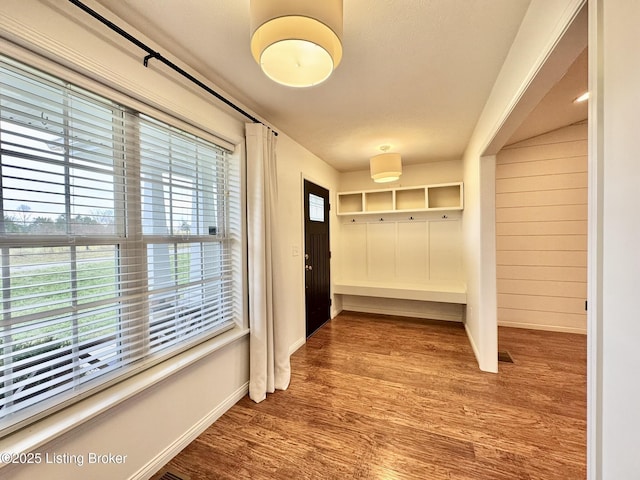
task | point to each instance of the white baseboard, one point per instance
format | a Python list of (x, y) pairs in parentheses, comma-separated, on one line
[(476, 352), (403, 313), (548, 328), (404, 308), (296, 345), (473, 343), (190, 435)]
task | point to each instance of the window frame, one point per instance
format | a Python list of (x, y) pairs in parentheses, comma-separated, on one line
[(137, 247)]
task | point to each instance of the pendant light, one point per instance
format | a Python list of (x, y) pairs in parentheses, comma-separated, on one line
[(297, 43), (385, 167)]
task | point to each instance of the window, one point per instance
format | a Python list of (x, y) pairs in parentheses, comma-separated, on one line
[(316, 208), (116, 242)]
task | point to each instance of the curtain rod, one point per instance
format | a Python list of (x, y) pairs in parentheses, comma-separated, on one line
[(151, 53)]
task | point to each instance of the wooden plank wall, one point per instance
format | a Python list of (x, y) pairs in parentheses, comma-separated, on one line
[(541, 229)]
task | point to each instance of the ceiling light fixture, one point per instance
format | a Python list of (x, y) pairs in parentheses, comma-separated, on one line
[(385, 167), (582, 98), (297, 43)]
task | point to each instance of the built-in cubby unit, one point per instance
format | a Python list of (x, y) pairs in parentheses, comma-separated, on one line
[(410, 199), (444, 196), (350, 203), (378, 201), (400, 251)]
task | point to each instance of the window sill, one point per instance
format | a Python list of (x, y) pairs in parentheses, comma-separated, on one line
[(47, 429)]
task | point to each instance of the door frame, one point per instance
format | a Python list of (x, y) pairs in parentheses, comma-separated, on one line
[(304, 176)]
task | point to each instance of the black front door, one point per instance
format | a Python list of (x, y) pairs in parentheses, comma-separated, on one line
[(316, 248)]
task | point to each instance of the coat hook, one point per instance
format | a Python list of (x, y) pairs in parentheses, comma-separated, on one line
[(444, 217), (410, 218), (381, 219), (353, 220)]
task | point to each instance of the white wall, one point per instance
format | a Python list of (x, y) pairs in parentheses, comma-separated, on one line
[(412, 175), (541, 28), (614, 270), (149, 426), (296, 164)]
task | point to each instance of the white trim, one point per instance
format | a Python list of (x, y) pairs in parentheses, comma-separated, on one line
[(474, 347), (190, 435), (595, 242), (547, 328), (405, 313), (448, 292), (51, 427), (296, 345), (488, 286), (493, 141)]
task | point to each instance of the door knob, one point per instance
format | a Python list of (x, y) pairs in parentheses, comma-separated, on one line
[(308, 267)]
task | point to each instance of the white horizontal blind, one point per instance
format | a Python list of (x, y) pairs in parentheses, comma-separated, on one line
[(114, 240), (183, 196)]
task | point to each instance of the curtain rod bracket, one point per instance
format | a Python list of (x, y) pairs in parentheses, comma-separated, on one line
[(149, 57), (153, 54)]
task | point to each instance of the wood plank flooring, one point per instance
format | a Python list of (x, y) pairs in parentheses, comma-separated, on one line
[(379, 397)]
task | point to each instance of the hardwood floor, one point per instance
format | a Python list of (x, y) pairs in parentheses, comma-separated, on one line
[(377, 397)]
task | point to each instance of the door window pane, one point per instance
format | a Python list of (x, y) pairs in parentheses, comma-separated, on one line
[(316, 208)]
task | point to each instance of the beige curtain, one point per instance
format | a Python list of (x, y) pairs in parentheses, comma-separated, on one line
[(269, 352)]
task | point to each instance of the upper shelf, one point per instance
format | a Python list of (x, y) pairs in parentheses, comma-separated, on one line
[(443, 196)]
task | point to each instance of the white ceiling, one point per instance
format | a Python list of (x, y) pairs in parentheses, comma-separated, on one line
[(415, 73)]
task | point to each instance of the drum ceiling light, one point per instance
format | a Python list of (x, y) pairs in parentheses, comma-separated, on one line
[(297, 43), (386, 167)]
